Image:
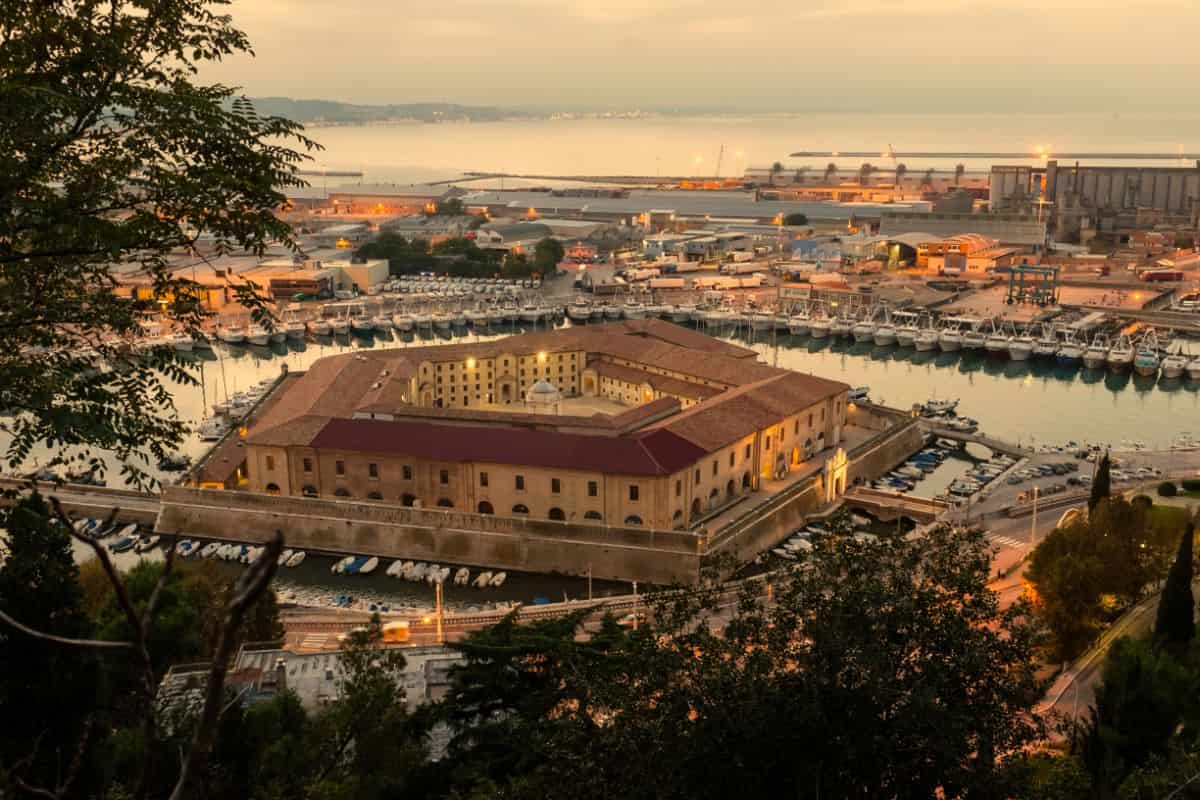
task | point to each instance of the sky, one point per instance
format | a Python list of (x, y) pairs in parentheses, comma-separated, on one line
[(843, 55)]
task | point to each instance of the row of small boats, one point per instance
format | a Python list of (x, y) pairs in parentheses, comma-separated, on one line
[(419, 572), (801, 541)]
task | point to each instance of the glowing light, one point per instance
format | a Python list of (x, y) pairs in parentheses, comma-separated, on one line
[(541, 357), (471, 363)]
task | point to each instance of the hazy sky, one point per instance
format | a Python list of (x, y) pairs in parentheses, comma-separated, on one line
[(826, 54)]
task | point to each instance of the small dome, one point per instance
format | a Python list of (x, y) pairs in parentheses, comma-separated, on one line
[(543, 387)]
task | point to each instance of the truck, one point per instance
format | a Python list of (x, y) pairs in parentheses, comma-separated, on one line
[(1153, 275), (668, 283), (741, 268), (752, 281)]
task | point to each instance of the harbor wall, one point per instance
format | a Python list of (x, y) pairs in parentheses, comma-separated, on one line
[(452, 537)]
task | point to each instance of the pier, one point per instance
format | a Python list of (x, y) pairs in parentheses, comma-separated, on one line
[(996, 156), (995, 445)]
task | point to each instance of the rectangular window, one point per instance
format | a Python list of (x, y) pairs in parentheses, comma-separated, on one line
[(714, 466), (407, 472), (270, 462), (697, 477), (678, 488), (444, 477), (768, 444), (593, 489), (555, 486), (520, 483), (810, 420), (339, 467), (308, 465), (796, 432), (822, 415), (373, 470), (483, 479), (747, 452), (731, 455), (633, 492)]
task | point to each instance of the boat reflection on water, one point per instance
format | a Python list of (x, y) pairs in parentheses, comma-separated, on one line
[(1116, 381), (1089, 376)]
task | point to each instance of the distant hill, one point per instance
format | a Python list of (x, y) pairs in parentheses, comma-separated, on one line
[(336, 112)]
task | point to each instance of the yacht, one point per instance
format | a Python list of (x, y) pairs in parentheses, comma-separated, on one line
[(761, 321), (1193, 369), (820, 327), (886, 334), (258, 335), (907, 333), (1096, 355), (1145, 359), (319, 327), (596, 314), (974, 339), (798, 325), (1121, 354), (475, 316), (688, 311), (1173, 365), (277, 333), (442, 321), (423, 321), (293, 329), (612, 311), (926, 339), (361, 323), (1021, 347), (1047, 344), (996, 344), (381, 322), (402, 322), (1070, 352), (864, 330), (459, 318), (340, 325), (231, 335), (530, 313), (182, 342), (634, 310), (950, 340), (842, 327), (579, 311)]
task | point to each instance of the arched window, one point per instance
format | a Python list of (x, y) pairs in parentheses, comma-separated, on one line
[(678, 515), (485, 507), (745, 480), (596, 515), (696, 507), (445, 502), (520, 508), (408, 500), (374, 496), (342, 491), (557, 514), (730, 488), (273, 488), (633, 521), (309, 491), (713, 493)]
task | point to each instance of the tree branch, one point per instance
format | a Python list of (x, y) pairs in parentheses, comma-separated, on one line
[(250, 587), (98, 644)]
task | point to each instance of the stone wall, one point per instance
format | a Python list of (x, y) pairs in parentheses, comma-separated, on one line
[(451, 537)]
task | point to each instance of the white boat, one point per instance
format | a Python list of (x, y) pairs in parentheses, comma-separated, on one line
[(257, 334), (418, 572), (297, 559), (443, 321), (212, 429), (783, 552), (595, 314), (405, 570), (842, 327), (1121, 355), (482, 580), (393, 569), (1020, 347), (319, 327), (950, 340), (459, 318), (146, 543), (381, 323), (340, 566), (680, 314), (973, 340), (760, 321), (498, 579), (579, 311), (859, 393), (940, 406), (530, 313), (886, 334), (863, 331), (182, 342), (475, 317), (362, 324), (798, 325), (340, 325), (284, 556), (1070, 351), (1047, 344), (1096, 354), (462, 576), (231, 335), (293, 329), (996, 344), (820, 328), (209, 550), (369, 566), (634, 311), (1174, 365), (403, 322), (1193, 369)]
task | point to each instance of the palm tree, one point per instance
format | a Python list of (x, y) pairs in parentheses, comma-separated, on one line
[(830, 172), (958, 173), (799, 176), (776, 169), (927, 181), (900, 170), (864, 172)]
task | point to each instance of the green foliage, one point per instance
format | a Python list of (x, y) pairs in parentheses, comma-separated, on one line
[(404, 257), (1190, 484), (1102, 484), (452, 207), (888, 672), (46, 690), (1114, 552), (518, 265), (795, 218), (1176, 624), (1185, 241), (111, 153), (547, 254), (1167, 489)]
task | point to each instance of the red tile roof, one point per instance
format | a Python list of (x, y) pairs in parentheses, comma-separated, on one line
[(657, 452)]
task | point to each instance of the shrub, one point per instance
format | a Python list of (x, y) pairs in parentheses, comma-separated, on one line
[(1167, 489), (1191, 484), (1143, 501)]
